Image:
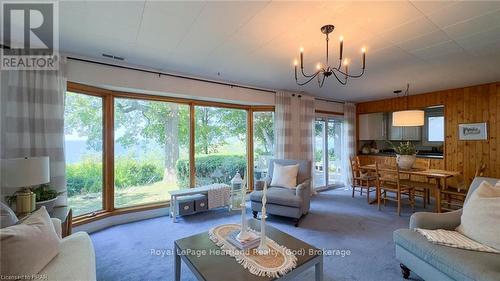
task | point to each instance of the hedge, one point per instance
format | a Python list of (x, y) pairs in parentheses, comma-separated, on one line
[(86, 176), (213, 168)]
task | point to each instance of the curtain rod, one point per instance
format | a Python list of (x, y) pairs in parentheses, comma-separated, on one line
[(186, 77), (159, 73)]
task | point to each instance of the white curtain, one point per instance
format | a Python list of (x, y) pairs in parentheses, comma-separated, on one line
[(283, 125), (294, 121), (32, 119), (349, 143), (306, 123)]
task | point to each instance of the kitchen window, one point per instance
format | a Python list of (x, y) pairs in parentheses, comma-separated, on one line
[(434, 126)]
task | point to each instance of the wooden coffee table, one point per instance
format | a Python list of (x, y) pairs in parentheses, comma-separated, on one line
[(196, 255)]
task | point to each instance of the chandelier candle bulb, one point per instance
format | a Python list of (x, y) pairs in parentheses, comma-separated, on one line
[(341, 46), (364, 56)]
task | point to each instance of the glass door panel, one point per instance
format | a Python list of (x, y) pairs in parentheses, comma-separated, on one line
[(319, 153), (334, 151)]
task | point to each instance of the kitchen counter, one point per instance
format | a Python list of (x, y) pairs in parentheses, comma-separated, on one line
[(392, 154)]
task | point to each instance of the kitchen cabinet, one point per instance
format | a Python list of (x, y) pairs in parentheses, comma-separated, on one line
[(372, 126), (413, 133)]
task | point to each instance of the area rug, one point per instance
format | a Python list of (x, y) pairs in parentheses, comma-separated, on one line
[(277, 262)]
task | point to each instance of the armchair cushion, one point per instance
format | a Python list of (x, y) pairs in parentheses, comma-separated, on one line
[(304, 168), (278, 196), (285, 176)]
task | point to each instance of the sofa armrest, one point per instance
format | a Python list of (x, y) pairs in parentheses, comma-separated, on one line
[(303, 187), (57, 226), (426, 220), (259, 185)]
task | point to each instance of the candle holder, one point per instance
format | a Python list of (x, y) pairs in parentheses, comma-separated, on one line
[(244, 234), (263, 248)]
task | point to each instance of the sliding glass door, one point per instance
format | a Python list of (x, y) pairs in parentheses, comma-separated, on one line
[(327, 151)]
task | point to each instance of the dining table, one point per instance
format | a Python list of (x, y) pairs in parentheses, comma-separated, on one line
[(436, 174)]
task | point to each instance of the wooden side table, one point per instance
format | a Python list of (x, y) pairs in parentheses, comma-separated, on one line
[(65, 214)]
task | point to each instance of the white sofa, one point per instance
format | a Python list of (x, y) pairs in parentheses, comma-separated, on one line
[(76, 258)]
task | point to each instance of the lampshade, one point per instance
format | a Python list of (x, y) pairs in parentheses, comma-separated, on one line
[(406, 118), (25, 172)]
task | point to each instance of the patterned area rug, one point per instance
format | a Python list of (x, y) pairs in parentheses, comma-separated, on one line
[(274, 263)]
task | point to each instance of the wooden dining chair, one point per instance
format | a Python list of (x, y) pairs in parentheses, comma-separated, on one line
[(361, 180), (453, 195), (421, 184), (393, 185)]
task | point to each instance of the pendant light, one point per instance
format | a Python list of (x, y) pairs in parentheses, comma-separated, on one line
[(407, 118)]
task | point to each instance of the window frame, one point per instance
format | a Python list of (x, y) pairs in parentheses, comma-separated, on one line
[(109, 208), (436, 111)]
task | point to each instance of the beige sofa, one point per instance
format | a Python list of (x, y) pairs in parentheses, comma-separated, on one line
[(76, 258)]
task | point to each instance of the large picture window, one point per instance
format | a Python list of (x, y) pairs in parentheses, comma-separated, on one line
[(220, 144), (83, 144), (125, 151), (263, 142), (151, 150)]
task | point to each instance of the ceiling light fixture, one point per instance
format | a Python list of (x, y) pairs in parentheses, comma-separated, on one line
[(324, 71), (407, 118)]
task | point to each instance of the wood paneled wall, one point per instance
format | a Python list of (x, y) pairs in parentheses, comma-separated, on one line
[(473, 104)]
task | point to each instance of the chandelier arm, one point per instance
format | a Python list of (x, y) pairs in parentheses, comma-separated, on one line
[(307, 76), (338, 79), (352, 76), (312, 77), (322, 81)]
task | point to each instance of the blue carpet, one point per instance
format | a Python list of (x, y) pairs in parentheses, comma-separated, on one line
[(335, 221)]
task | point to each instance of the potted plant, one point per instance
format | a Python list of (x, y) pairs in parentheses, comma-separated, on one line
[(45, 196), (406, 154)]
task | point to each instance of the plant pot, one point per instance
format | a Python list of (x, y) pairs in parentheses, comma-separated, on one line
[(405, 162), (49, 204)]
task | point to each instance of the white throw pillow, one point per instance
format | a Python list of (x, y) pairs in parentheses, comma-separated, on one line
[(285, 176), (481, 215), (29, 246)]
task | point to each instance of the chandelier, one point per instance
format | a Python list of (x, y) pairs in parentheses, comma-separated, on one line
[(324, 71)]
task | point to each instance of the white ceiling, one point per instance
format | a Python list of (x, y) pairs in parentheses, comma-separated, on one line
[(432, 45)]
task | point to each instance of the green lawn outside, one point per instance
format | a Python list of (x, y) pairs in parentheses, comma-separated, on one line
[(137, 195)]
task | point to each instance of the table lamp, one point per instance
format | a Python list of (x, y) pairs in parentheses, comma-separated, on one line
[(24, 173)]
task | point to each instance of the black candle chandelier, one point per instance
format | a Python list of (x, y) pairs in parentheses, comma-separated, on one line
[(324, 71)]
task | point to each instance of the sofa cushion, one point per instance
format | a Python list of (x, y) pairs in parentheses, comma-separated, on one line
[(278, 196), (76, 260), (480, 219), (285, 176), (29, 246), (458, 264)]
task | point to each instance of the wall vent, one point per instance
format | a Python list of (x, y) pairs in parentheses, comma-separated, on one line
[(113, 57)]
